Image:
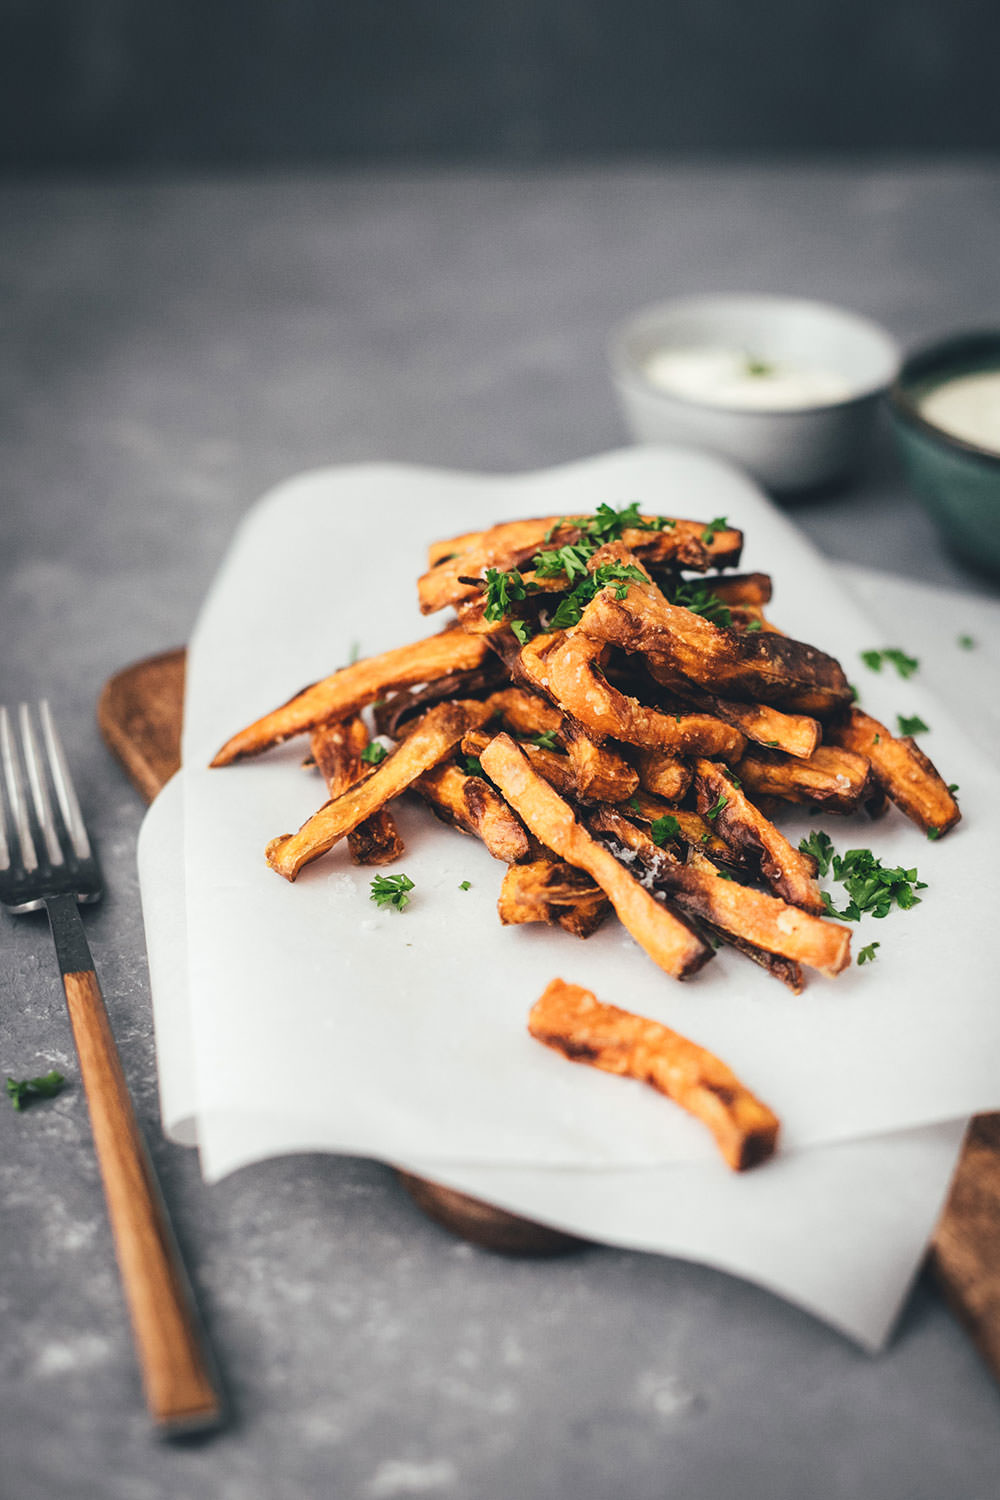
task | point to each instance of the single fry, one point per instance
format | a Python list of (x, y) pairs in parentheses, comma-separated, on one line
[(348, 690), (435, 735), (602, 775), (746, 830), (901, 767), (664, 774), (470, 803), (668, 940), (573, 1021), (836, 780), (795, 734), (548, 890), (337, 749)]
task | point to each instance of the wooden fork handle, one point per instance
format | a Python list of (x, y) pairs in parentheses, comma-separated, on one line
[(181, 1391)]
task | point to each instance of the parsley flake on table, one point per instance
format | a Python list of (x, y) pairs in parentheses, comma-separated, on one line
[(872, 887), (391, 890), (905, 665), (374, 753), (22, 1091), (465, 885), (662, 829), (867, 954), (912, 724), (966, 642)]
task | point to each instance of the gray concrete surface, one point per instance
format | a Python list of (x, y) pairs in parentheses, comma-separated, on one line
[(169, 352)]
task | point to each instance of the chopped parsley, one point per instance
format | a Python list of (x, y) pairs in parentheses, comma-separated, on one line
[(966, 642), (391, 890), (723, 875), (905, 665), (867, 954), (465, 885), (521, 631), (771, 744), (546, 740), (953, 787), (697, 596), (662, 829), (752, 625), (933, 834), (912, 724), (731, 777), (355, 653), (719, 524), (713, 812), (501, 590), (872, 887), (820, 846), (23, 1091), (473, 765), (757, 367), (633, 802), (374, 753), (572, 605)]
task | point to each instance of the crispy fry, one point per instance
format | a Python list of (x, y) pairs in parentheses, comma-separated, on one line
[(570, 673), (795, 734), (742, 588), (602, 775), (392, 712), (336, 749), (514, 543), (698, 888), (744, 828), (456, 546), (902, 768), (524, 712), (430, 741), (763, 667), (664, 774), (470, 803), (836, 780), (574, 1022), (352, 687), (668, 940), (547, 890)]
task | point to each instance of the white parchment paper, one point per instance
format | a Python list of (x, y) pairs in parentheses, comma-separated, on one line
[(406, 1033)]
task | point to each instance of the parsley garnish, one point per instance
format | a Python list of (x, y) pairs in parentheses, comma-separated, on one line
[(756, 366), (473, 765), (355, 653), (953, 787), (752, 625), (501, 590), (871, 887), (867, 954), (966, 642), (732, 777), (521, 631), (723, 875), (905, 665), (22, 1091), (719, 524), (374, 754), (633, 802), (820, 846), (853, 692), (697, 596), (771, 743), (465, 885), (662, 829), (933, 834), (573, 604), (546, 740), (713, 812), (913, 724), (391, 890)]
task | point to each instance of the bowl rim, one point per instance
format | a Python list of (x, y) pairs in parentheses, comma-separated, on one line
[(923, 361), (626, 371)]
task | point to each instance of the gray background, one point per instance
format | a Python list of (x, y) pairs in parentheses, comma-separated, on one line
[(109, 83)]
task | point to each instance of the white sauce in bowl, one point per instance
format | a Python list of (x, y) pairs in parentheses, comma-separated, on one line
[(967, 407), (734, 377)]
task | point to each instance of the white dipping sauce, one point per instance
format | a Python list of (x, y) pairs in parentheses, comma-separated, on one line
[(967, 407), (732, 377)]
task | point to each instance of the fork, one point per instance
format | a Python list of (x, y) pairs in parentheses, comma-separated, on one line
[(46, 861)]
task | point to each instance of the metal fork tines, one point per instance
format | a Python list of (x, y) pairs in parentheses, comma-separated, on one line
[(44, 847), (46, 860)]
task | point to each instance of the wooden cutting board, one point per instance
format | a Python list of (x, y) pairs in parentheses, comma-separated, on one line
[(139, 713)]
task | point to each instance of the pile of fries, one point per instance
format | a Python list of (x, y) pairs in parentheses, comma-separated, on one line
[(617, 733)]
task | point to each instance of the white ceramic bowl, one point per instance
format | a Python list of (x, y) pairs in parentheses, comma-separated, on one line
[(798, 448)]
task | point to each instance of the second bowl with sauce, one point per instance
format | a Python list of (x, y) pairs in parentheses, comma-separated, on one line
[(785, 387), (946, 410)]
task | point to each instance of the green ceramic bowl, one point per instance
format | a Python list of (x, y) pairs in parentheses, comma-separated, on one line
[(958, 481)]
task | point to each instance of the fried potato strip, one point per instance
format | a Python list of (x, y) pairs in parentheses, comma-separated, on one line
[(901, 767), (834, 779), (666, 938), (470, 803), (337, 749), (745, 829), (574, 1022), (431, 739), (548, 890), (346, 691)]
